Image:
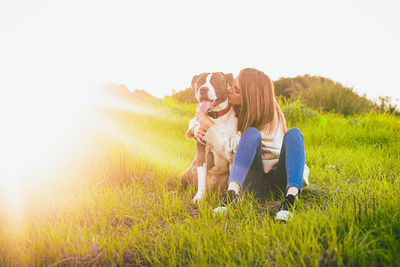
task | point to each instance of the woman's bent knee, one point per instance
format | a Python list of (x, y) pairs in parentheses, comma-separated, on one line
[(293, 133), (253, 134)]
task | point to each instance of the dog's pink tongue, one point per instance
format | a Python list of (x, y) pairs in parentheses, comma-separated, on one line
[(204, 106)]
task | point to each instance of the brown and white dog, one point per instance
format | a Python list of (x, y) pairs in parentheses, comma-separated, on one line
[(209, 167)]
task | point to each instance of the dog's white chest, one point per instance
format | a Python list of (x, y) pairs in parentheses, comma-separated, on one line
[(227, 123)]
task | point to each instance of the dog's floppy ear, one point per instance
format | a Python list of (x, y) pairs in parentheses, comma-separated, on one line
[(229, 79), (194, 80)]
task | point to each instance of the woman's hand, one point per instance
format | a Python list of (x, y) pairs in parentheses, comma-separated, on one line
[(204, 120), (200, 133)]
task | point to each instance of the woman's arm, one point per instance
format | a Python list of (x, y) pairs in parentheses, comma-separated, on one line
[(204, 120), (194, 131)]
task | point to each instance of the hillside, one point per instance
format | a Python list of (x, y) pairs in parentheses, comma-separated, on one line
[(122, 92)]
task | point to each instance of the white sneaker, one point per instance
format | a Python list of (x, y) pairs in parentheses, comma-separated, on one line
[(285, 211)]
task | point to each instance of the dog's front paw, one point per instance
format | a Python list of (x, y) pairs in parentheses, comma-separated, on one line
[(198, 197)]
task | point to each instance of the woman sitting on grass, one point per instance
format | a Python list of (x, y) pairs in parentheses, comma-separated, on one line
[(267, 157)]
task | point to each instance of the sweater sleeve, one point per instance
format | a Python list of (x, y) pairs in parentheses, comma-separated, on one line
[(192, 129), (223, 143)]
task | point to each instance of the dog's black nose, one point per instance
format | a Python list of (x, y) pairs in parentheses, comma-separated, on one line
[(203, 90)]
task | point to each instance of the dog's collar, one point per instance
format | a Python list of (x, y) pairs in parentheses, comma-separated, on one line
[(217, 114)]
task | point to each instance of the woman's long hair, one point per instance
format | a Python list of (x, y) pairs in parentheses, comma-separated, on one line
[(259, 109)]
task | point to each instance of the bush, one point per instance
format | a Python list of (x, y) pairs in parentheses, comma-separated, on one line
[(337, 98), (295, 113), (291, 88), (386, 104), (184, 96), (323, 94)]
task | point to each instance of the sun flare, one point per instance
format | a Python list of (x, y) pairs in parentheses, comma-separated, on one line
[(48, 135), (42, 130)]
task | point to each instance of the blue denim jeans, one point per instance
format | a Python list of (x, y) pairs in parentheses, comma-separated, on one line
[(247, 169)]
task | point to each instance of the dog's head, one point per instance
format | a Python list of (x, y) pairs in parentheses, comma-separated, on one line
[(211, 89)]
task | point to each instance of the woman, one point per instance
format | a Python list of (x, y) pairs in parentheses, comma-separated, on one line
[(267, 156)]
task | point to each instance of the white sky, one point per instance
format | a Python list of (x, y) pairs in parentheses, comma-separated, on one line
[(160, 45)]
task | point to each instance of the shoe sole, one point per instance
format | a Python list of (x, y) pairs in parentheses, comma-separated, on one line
[(284, 215), (220, 210)]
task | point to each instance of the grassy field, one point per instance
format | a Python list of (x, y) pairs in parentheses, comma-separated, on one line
[(118, 202)]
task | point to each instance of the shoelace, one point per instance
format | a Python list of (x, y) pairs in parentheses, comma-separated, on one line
[(229, 198), (289, 202)]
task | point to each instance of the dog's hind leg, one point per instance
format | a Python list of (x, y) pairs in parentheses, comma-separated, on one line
[(220, 165), (189, 176)]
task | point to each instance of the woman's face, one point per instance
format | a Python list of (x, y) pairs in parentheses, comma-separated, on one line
[(234, 93)]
